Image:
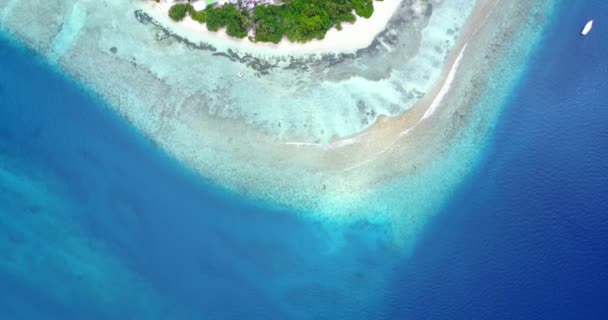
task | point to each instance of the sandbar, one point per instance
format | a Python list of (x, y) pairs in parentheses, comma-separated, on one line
[(399, 168)]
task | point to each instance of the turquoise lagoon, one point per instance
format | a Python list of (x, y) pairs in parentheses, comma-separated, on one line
[(102, 220)]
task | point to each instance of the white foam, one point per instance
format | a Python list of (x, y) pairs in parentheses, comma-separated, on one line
[(446, 86), (165, 89)]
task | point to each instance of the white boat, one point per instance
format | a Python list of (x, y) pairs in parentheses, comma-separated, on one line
[(587, 28), (240, 74)]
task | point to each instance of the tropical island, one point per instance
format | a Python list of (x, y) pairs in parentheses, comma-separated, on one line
[(271, 20)]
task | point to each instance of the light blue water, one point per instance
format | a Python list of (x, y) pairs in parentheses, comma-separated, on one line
[(90, 211), (96, 223)]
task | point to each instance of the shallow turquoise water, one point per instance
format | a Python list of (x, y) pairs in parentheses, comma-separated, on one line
[(97, 223), (93, 212)]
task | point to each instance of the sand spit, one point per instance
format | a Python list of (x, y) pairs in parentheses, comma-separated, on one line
[(341, 179), (378, 175), (307, 97)]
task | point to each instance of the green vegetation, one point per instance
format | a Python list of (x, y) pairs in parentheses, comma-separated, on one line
[(178, 11), (269, 26), (298, 20), (363, 8), (237, 22), (200, 16), (304, 20)]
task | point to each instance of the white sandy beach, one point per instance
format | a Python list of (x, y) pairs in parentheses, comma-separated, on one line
[(352, 37), (190, 102)]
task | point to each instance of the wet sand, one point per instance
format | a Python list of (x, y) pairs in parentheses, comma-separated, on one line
[(399, 170)]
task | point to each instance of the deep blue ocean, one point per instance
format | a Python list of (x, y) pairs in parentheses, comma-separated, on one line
[(97, 223)]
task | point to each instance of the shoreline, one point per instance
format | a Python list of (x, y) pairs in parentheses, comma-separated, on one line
[(383, 80), (380, 154), (414, 116), (352, 37), (377, 175)]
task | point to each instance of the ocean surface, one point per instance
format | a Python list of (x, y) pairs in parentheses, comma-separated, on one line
[(98, 223)]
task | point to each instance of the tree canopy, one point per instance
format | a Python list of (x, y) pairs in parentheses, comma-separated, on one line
[(178, 11), (237, 22), (298, 20)]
